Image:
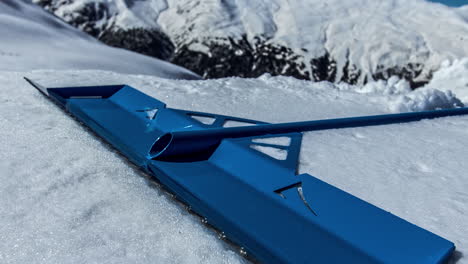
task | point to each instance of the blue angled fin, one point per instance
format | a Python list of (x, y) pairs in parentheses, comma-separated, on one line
[(287, 152)]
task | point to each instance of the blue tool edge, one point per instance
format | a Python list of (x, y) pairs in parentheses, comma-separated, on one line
[(257, 201)]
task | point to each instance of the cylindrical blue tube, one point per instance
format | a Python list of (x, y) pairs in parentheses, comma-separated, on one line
[(186, 143)]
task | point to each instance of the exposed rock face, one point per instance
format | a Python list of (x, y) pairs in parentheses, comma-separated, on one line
[(309, 39), (88, 17), (151, 42), (241, 58), (95, 19)]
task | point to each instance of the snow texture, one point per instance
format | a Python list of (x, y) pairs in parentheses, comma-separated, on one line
[(452, 76), (400, 97), (33, 39)]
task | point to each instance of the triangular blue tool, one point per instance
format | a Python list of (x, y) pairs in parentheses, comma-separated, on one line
[(228, 175)]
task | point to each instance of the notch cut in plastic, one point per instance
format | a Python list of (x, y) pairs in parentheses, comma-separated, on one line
[(276, 153), (206, 120), (300, 192), (280, 141), (150, 113), (234, 123)]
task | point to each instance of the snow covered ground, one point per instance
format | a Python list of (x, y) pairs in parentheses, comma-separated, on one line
[(33, 39)]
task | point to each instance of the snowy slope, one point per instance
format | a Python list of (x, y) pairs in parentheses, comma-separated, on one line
[(31, 38), (353, 41), (67, 197)]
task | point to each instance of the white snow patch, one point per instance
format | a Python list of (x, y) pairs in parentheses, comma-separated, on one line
[(398, 96), (423, 100), (452, 76), (392, 86)]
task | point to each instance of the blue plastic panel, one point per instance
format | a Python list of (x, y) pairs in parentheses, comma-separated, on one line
[(258, 201)]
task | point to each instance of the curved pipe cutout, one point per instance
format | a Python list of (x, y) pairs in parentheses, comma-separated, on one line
[(160, 145)]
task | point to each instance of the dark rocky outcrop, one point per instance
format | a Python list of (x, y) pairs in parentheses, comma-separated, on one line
[(410, 72), (151, 42), (231, 57), (89, 18), (93, 18)]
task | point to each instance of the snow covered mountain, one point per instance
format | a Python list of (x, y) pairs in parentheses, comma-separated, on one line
[(353, 41), (33, 39)]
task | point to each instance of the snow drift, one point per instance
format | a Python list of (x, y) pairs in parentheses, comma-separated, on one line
[(33, 39), (453, 75)]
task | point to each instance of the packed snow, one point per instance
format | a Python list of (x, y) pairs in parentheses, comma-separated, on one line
[(453, 75), (33, 39), (364, 36), (400, 98)]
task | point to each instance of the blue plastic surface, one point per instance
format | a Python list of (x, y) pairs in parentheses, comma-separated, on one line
[(258, 201)]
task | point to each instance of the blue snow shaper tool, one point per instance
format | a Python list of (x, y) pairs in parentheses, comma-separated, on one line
[(258, 201)]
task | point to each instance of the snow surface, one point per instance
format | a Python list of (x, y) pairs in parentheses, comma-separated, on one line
[(31, 38), (67, 197), (452, 76), (368, 34)]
